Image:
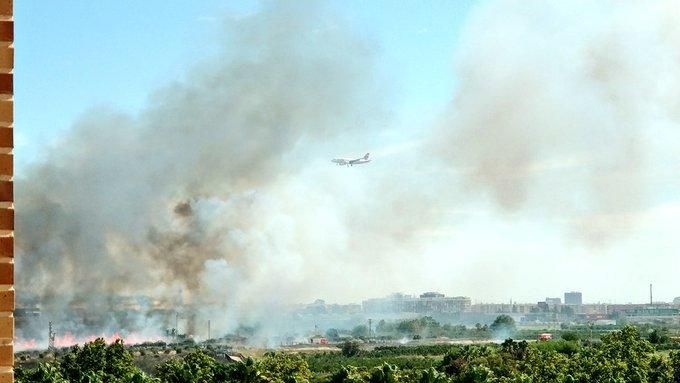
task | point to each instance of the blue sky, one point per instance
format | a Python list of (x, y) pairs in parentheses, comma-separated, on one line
[(115, 53)]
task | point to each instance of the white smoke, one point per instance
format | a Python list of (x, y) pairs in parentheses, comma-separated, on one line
[(556, 106), (213, 195), (220, 194)]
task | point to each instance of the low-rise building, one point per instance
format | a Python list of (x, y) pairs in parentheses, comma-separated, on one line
[(430, 302), (553, 301), (573, 298)]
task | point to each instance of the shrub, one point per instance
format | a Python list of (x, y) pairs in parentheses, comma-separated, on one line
[(570, 336), (350, 348)]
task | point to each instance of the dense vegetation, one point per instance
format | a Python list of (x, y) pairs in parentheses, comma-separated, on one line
[(621, 356), (503, 327), (425, 327)]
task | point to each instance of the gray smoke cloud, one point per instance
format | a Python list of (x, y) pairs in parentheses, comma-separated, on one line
[(219, 195), (198, 199), (555, 107)]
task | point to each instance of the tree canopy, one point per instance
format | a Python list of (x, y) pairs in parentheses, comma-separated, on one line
[(621, 357)]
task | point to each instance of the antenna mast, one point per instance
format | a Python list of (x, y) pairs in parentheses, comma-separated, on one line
[(50, 337)]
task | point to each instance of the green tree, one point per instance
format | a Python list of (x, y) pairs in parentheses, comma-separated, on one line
[(350, 374), (658, 337), (195, 367), (332, 334), (545, 366), (386, 373), (408, 327), (503, 326), (360, 331), (431, 375), (44, 373), (517, 350), (98, 362), (623, 356), (453, 362), (476, 374), (284, 368), (660, 370), (570, 336), (245, 372), (350, 348), (472, 363), (674, 357), (384, 327)]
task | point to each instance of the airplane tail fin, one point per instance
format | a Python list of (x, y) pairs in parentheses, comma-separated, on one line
[(366, 156)]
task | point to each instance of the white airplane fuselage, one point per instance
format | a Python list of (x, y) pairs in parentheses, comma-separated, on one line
[(351, 162)]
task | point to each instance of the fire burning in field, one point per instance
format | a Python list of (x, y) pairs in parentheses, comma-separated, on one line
[(68, 340)]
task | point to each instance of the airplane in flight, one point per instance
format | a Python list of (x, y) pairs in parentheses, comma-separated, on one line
[(350, 162)]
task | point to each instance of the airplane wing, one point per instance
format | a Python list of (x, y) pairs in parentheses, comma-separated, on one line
[(356, 161), (361, 160)]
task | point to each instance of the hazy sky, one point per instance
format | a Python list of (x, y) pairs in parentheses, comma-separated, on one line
[(116, 53), (446, 66)]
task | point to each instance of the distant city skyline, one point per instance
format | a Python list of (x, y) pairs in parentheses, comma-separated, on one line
[(509, 301)]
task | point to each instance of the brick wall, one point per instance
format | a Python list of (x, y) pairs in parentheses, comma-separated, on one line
[(6, 192)]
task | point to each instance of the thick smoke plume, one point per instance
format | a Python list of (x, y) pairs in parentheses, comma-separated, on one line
[(199, 200), (219, 196), (555, 107)]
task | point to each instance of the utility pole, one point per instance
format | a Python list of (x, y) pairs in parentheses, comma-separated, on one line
[(50, 337), (369, 326), (651, 301), (209, 329)]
